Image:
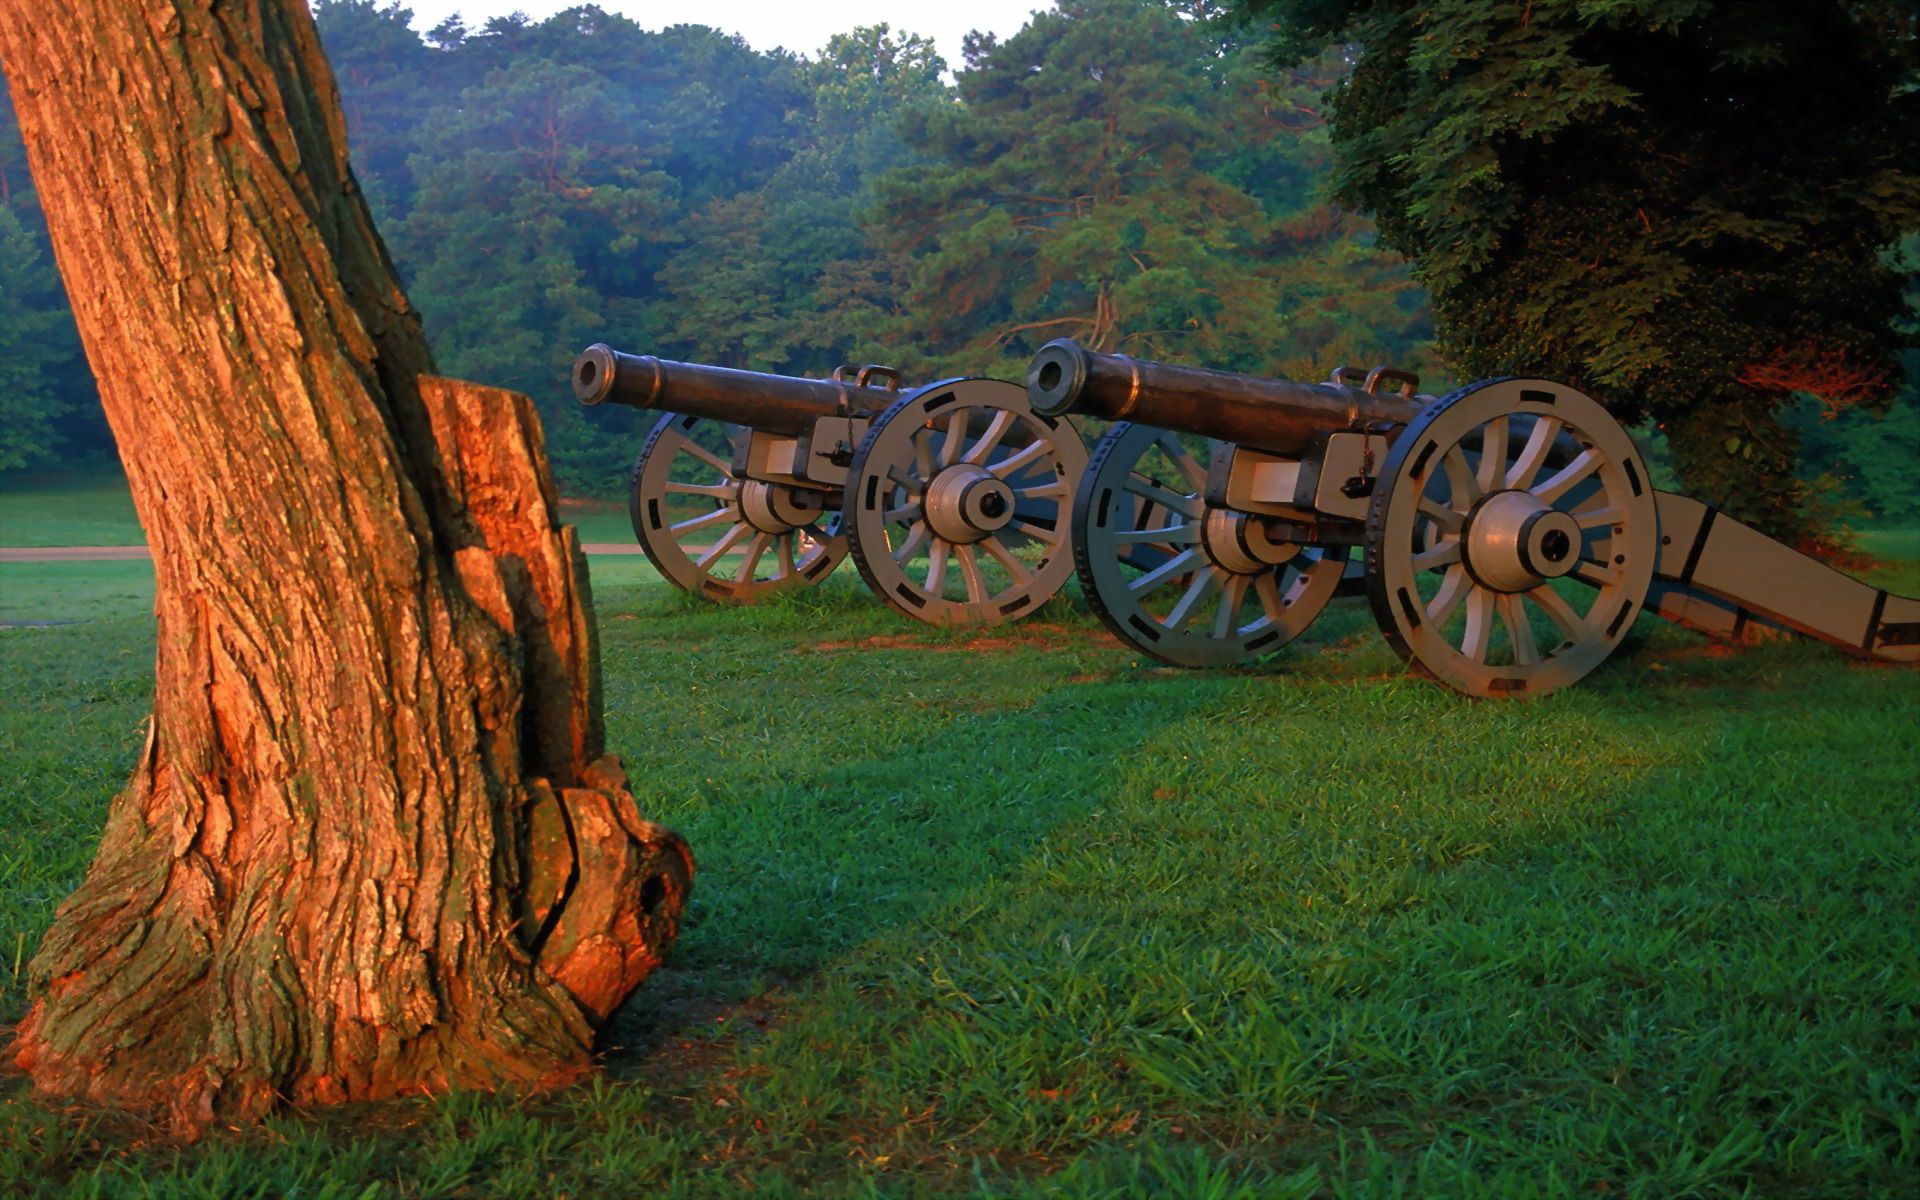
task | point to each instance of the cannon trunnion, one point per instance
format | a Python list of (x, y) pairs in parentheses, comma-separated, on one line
[(951, 497), (1509, 533)]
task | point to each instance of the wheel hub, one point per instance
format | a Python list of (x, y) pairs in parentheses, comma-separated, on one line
[(775, 508), (966, 503), (1238, 542), (1514, 542)]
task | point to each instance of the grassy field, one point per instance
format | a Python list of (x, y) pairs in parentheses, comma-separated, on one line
[(97, 511), (1021, 915)]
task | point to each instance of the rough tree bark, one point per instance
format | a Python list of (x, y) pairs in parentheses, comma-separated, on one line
[(373, 845)]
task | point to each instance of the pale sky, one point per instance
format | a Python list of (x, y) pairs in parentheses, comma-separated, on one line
[(802, 26)]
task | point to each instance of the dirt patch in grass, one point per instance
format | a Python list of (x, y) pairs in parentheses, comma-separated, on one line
[(1696, 651), (1024, 637)]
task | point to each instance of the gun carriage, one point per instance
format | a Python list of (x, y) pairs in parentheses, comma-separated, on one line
[(1509, 533), (951, 497)]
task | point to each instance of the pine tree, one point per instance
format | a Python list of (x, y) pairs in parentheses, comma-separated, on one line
[(1119, 172)]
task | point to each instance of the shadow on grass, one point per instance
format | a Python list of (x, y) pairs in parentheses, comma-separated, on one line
[(1047, 920)]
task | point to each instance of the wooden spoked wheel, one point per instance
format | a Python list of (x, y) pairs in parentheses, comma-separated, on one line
[(1188, 585), (957, 503), (1511, 538), (723, 537)]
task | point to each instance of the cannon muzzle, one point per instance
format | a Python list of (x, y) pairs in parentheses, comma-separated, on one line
[(1057, 377), (601, 373), (1275, 415)]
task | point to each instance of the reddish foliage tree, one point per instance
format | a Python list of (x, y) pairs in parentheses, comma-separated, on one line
[(1833, 375)]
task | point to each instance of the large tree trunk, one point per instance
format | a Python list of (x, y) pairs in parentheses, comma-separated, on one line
[(373, 845)]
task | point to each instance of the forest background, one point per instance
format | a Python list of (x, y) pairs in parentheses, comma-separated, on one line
[(1126, 172)]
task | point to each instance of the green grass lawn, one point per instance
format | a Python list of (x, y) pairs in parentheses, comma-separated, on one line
[(96, 510), (80, 510), (1021, 915)]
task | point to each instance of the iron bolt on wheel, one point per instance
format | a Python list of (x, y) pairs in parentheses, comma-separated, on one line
[(1188, 585), (1511, 539), (957, 502), (723, 537)]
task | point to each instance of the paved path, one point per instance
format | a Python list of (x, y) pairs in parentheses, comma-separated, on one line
[(16, 554)]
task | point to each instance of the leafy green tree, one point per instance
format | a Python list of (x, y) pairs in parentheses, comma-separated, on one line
[(1681, 204), (1120, 172), (732, 309), (863, 82), (536, 216), (1871, 460), (31, 320), (49, 410), (534, 179), (386, 74), (756, 282)]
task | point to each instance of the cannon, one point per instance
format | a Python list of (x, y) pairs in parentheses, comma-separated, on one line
[(951, 497), (1509, 535)]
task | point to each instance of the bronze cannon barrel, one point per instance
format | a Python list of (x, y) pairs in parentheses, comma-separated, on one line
[(1274, 415), (784, 404)]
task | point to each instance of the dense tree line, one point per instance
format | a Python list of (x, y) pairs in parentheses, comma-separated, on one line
[(1128, 172), (1119, 170), (1688, 205)]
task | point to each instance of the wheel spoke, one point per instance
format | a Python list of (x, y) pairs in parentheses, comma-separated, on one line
[(1513, 615), (1020, 459), (1560, 612), (1492, 473), (1594, 574), (1055, 489), (1462, 488), (755, 548), (1146, 489), (702, 521), (996, 429), (915, 536), (708, 457), (906, 482), (1595, 518), (1453, 589), (719, 491), (1188, 466), (1479, 632), (1444, 555), (1006, 558), (1448, 520), (1183, 610), (1266, 585), (955, 437), (1173, 568), (937, 568), (726, 543), (1584, 464), (923, 457), (1226, 619), (970, 572), (785, 553), (905, 514), (1534, 453), (1182, 534), (1050, 537)]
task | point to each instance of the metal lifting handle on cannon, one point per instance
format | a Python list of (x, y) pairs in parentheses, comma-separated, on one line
[(952, 497), (1510, 533)]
